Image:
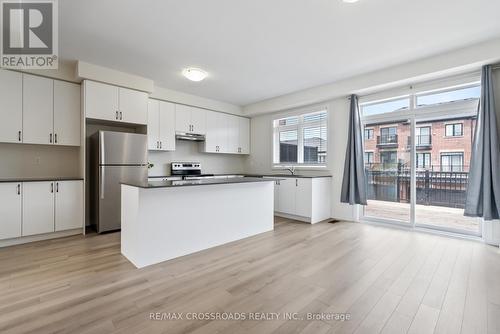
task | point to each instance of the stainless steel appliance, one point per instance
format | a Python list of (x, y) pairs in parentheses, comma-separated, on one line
[(188, 170), (116, 157), (189, 136)]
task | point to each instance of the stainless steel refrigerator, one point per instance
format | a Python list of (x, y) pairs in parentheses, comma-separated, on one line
[(116, 157)]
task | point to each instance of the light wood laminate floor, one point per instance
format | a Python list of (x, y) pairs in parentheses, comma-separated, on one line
[(387, 280)]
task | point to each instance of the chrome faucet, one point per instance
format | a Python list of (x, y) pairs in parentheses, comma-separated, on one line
[(291, 169)]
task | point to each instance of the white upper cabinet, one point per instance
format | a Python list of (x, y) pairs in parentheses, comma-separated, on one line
[(244, 135), (216, 132), (38, 110), (68, 205), (101, 101), (190, 119), (153, 124), (227, 134), (232, 134), (38, 208), (67, 117), (199, 120), (161, 125), (11, 106), (182, 118), (133, 106), (10, 210), (167, 126), (112, 103)]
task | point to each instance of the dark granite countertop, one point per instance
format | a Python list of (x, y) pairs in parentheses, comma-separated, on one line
[(39, 179), (187, 183), (300, 176)]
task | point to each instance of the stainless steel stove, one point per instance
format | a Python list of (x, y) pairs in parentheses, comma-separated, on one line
[(188, 170)]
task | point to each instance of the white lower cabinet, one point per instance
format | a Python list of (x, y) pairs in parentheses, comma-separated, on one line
[(68, 205), (38, 208), (31, 208), (306, 199), (10, 210)]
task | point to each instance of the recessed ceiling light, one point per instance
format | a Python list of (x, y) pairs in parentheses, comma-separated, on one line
[(194, 74), (350, 1)]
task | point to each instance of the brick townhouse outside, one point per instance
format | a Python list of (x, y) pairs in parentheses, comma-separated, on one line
[(441, 145)]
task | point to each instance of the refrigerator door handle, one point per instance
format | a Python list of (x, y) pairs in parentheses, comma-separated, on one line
[(102, 182)]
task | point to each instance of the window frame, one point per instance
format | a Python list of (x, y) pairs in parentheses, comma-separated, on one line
[(424, 154), (451, 154), (300, 127), (453, 125), (370, 130)]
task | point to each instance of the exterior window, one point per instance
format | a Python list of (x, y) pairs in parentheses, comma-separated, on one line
[(449, 95), (368, 134), (301, 140), (368, 158), (288, 146), (388, 135), (388, 157), (454, 130), (452, 162), (423, 135), (423, 160)]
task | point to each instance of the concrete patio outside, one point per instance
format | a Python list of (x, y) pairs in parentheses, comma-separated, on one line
[(438, 216)]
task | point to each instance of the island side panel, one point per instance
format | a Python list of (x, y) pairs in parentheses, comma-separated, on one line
[(129, 223), (177, 221)]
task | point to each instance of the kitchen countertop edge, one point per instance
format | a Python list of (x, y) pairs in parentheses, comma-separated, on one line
[(206, 182)]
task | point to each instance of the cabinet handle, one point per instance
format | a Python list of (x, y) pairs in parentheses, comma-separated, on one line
[(116, 114), (160, 145), (121, 116), (57, 187), (296, 182), (19, 189), (52, 187), (55, 138), (19, 135), (50, 138)]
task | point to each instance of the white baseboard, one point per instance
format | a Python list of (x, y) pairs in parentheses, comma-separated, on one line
[(32, 238)]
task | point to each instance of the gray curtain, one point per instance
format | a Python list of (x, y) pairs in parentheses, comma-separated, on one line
[(483, 191), (354, 182)]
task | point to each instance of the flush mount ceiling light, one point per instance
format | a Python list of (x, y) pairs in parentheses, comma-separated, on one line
[(350, 1), (194, 74)]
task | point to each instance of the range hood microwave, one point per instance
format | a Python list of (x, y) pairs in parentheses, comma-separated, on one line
[(189, 136)]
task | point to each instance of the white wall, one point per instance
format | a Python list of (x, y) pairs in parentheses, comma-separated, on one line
[(23, 160), (260, 160), (189, 151)]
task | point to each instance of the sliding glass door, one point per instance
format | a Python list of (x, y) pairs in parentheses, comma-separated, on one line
[(417, 151), (388, 169)]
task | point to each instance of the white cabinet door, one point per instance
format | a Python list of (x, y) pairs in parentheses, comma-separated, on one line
[(11, 106), (212, 135), (133, 106), (10, 210), (244, 135), (182, 118), (198, 120), (232, 134), (67, 117), (153, 124), (101, 101), (167, 126), (68, 205), (303, 197), (287, 189), (38, 208), (38, 110), (222, 133)]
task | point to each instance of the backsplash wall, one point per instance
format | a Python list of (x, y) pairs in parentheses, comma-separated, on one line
[(190, 151)]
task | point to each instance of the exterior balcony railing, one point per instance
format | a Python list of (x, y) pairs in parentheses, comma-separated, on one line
[(387, 141), (421, 141)]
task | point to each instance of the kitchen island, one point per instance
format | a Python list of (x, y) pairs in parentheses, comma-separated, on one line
[(162, 220)]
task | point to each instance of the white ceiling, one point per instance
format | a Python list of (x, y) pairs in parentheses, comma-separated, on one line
[(258, 49)]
